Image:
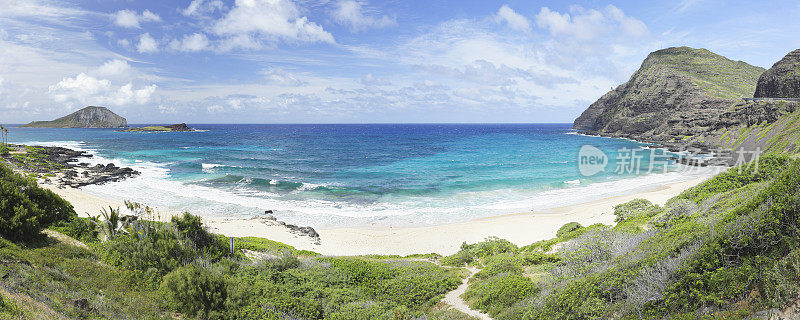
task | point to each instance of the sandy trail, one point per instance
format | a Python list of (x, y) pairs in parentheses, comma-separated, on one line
[(453, 298)]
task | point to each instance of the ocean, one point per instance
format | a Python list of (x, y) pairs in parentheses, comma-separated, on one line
[(360, 174)]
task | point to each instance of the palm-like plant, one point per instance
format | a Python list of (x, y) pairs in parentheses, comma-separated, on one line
[(111, 226)]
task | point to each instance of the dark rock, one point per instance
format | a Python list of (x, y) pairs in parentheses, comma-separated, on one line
[(268, 211), (179, 127), (782, 80), (81, 304), (304, 231)]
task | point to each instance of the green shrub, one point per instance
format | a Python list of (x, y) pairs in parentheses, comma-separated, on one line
[(472, 252), (495, 294), (8, 310), (268, 246), (283, 262), (530, 258), (459, 259), (83, 229), (749, 252), (631, 208), (25, 208), (191, 227), (768, 167), (567, 228), (195, 291), (502, 263), (164, 246), (158, 248)]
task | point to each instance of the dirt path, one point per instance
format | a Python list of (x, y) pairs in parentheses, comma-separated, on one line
[(64, 238), (453, 298)]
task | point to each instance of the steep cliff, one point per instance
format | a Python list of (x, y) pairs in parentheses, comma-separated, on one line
[(89, 117), (677, 93), (782, 80)]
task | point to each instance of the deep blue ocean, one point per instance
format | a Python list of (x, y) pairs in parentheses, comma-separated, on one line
[(342, 175)]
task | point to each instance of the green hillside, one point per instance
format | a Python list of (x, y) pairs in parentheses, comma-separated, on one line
[(725, 249), (716, 75)]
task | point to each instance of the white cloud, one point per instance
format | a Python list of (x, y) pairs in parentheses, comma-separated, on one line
[(130, 19), (201, 7), (113, 68), (514, 20), (190, 43), (351, 13), (250, 22), (629, 25), (371, 80), (146, 44), (125, 43), (589, 24), (96, 87), (485, 72), (40, 10), (280, 77)]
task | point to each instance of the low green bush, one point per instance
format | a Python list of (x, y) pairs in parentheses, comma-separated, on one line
[(567, 228), (83, 229), (631, 208), (767, 167), (26, 209), (196, 292), (499, 292), (472, 252), (502, 263), (268, 246), (8, 310)]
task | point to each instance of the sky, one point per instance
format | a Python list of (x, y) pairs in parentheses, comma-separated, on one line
[(356, 61)]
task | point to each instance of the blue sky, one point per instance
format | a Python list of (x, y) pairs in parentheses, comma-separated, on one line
[(349, 61)]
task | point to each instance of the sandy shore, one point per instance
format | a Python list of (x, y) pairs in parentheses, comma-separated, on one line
[(521, 229)]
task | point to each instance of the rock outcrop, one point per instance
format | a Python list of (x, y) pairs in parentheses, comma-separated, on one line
[(782, 80), (62, 167), (180, 127), (89, 117), (677, 93)]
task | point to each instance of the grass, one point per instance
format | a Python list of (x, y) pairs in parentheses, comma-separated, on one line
[(697, 256), (718, 76)]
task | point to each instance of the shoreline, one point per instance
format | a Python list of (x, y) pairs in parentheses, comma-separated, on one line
[(519, 228)]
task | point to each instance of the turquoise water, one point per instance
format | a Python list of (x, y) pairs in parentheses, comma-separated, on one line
[(340, 175)]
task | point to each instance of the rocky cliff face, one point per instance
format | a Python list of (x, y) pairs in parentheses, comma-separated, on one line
[(678, 93), (782, 80), (89, 117)]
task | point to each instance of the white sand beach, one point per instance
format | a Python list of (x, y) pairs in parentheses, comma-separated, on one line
[(521, 228)]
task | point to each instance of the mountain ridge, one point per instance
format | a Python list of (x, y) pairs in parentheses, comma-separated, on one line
[(87, 117), (692, 99)]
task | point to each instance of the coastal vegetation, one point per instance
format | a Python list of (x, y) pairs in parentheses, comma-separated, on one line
[(726, 248), (117, 266)]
